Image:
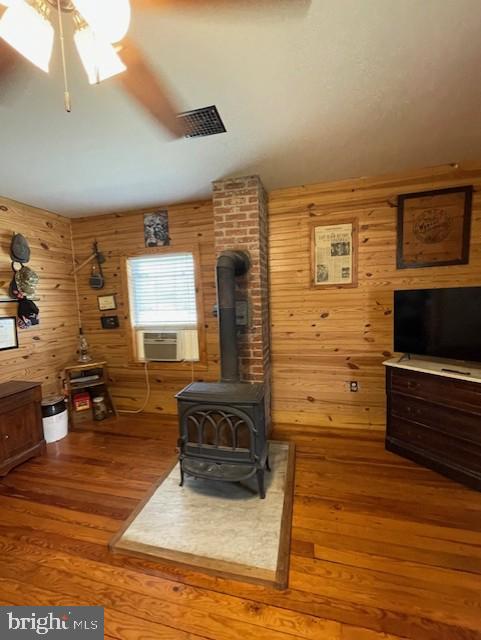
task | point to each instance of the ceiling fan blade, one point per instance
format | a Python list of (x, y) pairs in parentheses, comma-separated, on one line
[(144, 85), (8, 55), (8, 58), (297, 5)]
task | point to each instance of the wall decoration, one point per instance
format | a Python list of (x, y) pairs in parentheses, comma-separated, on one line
[(27, 314), (433, 228), (96, 280), (156, 229), (19, 249), (8, 333), (334, 254), (110, 322), (107, 303)]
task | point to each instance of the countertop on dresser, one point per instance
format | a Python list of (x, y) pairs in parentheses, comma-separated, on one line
[(447, 368)]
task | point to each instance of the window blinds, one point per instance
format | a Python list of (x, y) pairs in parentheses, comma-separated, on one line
[(162, 290)]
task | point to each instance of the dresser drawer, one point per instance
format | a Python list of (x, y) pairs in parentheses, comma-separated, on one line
[(452, 422), (21, 399), (451, 392), (434, 444)]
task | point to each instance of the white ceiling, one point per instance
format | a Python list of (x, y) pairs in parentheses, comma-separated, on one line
[(336, 89)]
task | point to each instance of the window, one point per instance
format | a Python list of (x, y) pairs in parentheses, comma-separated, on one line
[(163, 291), (163, 305)]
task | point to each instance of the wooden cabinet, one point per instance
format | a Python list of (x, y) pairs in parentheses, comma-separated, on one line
[(21, 431), (435, 420)]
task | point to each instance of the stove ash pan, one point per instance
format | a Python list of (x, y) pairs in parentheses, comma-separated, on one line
[(223, 432)]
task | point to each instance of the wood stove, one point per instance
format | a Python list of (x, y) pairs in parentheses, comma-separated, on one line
[(222, 424)]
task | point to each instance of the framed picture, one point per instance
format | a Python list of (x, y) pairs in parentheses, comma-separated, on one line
[(433, 228), (110, 322), (334, 254), (8, 333), (156, 229), (107, 303)]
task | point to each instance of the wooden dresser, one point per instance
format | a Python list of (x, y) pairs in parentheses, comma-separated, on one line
[(21, 431), (434, 418)]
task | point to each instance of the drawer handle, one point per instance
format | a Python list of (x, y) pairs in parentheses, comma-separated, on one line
[(7, 436)]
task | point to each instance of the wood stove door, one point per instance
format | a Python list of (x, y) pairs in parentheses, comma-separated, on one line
[(218, 432)]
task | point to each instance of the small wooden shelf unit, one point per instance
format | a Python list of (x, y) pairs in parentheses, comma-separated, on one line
[(74, 384)]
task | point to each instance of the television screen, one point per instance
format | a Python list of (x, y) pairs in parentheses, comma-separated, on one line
[(443, 323)]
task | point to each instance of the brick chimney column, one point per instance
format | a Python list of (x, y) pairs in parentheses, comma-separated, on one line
[(240, 222)]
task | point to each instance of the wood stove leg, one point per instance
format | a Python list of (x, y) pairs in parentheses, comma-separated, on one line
[(260, 482), (268, 466), (181, 483)]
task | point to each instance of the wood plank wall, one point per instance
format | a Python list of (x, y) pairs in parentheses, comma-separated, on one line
[(121, 235), (43, 349), (322, 339)]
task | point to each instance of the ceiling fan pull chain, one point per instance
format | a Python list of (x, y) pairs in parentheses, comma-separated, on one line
[(67, 101)]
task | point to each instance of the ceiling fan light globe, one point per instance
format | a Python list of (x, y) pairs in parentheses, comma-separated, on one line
[(99, 58), (28, 32), (109, 18)]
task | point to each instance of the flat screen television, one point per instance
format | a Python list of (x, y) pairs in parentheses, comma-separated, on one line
[(443, 323)]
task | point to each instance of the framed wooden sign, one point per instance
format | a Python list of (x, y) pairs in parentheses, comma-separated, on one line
[(8, 333), (433, 228), (334, 254), (107, 303)]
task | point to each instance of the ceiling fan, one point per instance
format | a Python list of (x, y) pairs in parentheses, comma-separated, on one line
[(100, 35), (26, 27)]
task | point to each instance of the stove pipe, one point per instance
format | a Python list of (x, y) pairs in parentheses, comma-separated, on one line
[(229, 265)]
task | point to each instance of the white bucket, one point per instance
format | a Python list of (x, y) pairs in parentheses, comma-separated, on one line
[(55, 427)]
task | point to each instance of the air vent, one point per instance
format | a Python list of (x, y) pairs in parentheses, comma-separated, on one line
[(202, 122)]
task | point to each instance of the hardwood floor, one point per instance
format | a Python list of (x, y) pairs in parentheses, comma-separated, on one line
[(382, 548)]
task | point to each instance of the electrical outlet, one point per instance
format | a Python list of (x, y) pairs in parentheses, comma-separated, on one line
[(353, 386)]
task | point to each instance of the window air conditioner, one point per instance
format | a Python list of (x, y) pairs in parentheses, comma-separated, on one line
[(161, 346)]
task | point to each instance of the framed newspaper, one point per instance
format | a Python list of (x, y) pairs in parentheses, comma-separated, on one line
[(334, 254)]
